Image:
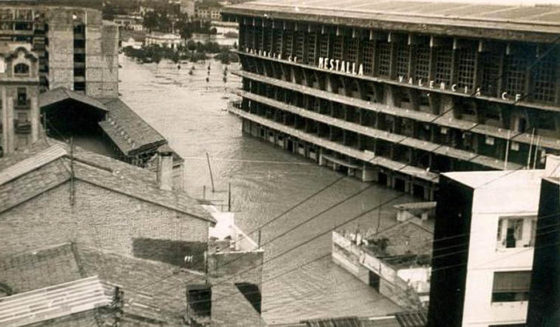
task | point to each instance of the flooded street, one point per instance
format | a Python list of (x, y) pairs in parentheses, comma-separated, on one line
[(303, 283)]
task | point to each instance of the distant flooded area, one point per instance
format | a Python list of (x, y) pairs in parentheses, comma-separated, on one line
[(299, 280)]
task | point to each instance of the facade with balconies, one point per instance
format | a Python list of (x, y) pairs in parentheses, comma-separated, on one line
[(19, 92), (398, 94)]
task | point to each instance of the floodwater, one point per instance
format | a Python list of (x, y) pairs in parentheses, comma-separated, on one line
[(299, 279)]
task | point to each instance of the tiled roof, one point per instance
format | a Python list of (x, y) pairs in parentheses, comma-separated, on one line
[(408, 237), (61, 94), (412, 319), (436, 14), (95, 169), (55, 301), (231, 309), (153, 291), (127, 130), (40, 268)]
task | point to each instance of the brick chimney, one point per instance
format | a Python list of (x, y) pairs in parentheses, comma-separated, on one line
[(165, 168), (552, 168)]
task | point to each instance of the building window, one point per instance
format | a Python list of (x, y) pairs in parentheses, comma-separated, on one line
[(490, 67), (21, 69), (324, 45), (443, 65), (489, 140), (288, 42), (403, 52), (338, 42), (544, 79), (515, 71), (465, 68), (422, 64), (383, 59), (21, 96), (516, 232), (511, 286), (368, 57), (351, 50)]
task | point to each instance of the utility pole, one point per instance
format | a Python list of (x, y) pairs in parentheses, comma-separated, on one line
[(210, 168)]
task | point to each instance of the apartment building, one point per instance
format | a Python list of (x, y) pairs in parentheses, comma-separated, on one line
[(400, 92), (19, 93), (484, 240), (77, 49)]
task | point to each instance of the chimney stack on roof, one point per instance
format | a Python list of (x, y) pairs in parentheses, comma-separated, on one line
[(165, 168)]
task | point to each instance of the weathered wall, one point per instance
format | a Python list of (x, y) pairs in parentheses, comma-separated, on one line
[(99, 219), (236, 267), (61, 48)]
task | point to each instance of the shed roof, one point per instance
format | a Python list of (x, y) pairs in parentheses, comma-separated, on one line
[(461, 18)]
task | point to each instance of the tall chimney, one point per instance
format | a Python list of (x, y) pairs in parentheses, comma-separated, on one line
[(165, 168), (552, 167)]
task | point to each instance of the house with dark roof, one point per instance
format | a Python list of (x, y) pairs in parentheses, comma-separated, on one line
[(70, 284), (395, 261), (53, 193), (107, 126)]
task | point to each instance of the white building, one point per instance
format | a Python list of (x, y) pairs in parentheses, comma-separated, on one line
[(164, 40), (483, 249)]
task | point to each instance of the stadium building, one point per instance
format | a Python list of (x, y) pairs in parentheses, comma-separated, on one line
[(400, 91)]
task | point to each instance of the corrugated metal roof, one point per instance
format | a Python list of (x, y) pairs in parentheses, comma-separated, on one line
[(533, 19), (54, 301)]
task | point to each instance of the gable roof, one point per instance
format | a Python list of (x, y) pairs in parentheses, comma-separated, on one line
[(440, 17), (43, 169), (129, 132)]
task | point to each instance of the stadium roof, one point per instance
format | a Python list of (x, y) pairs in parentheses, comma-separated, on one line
[(465, 19)]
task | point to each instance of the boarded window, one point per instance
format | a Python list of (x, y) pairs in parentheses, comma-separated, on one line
[(511, 286)]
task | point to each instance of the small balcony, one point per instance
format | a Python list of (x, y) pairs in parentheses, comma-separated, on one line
[(22, 104), (22, 127)]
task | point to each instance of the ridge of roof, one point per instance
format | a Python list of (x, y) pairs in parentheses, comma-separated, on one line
[(42, 170), (61, 93)]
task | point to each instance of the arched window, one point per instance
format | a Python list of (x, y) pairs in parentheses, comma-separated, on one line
[(21, 69)]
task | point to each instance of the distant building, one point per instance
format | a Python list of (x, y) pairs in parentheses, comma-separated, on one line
[(51, 194), (129, 22), (398, 92), (208, 11), (77, 50), (485, 231), (187, 7), (19, 97), (166, 40), (395, 262)]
